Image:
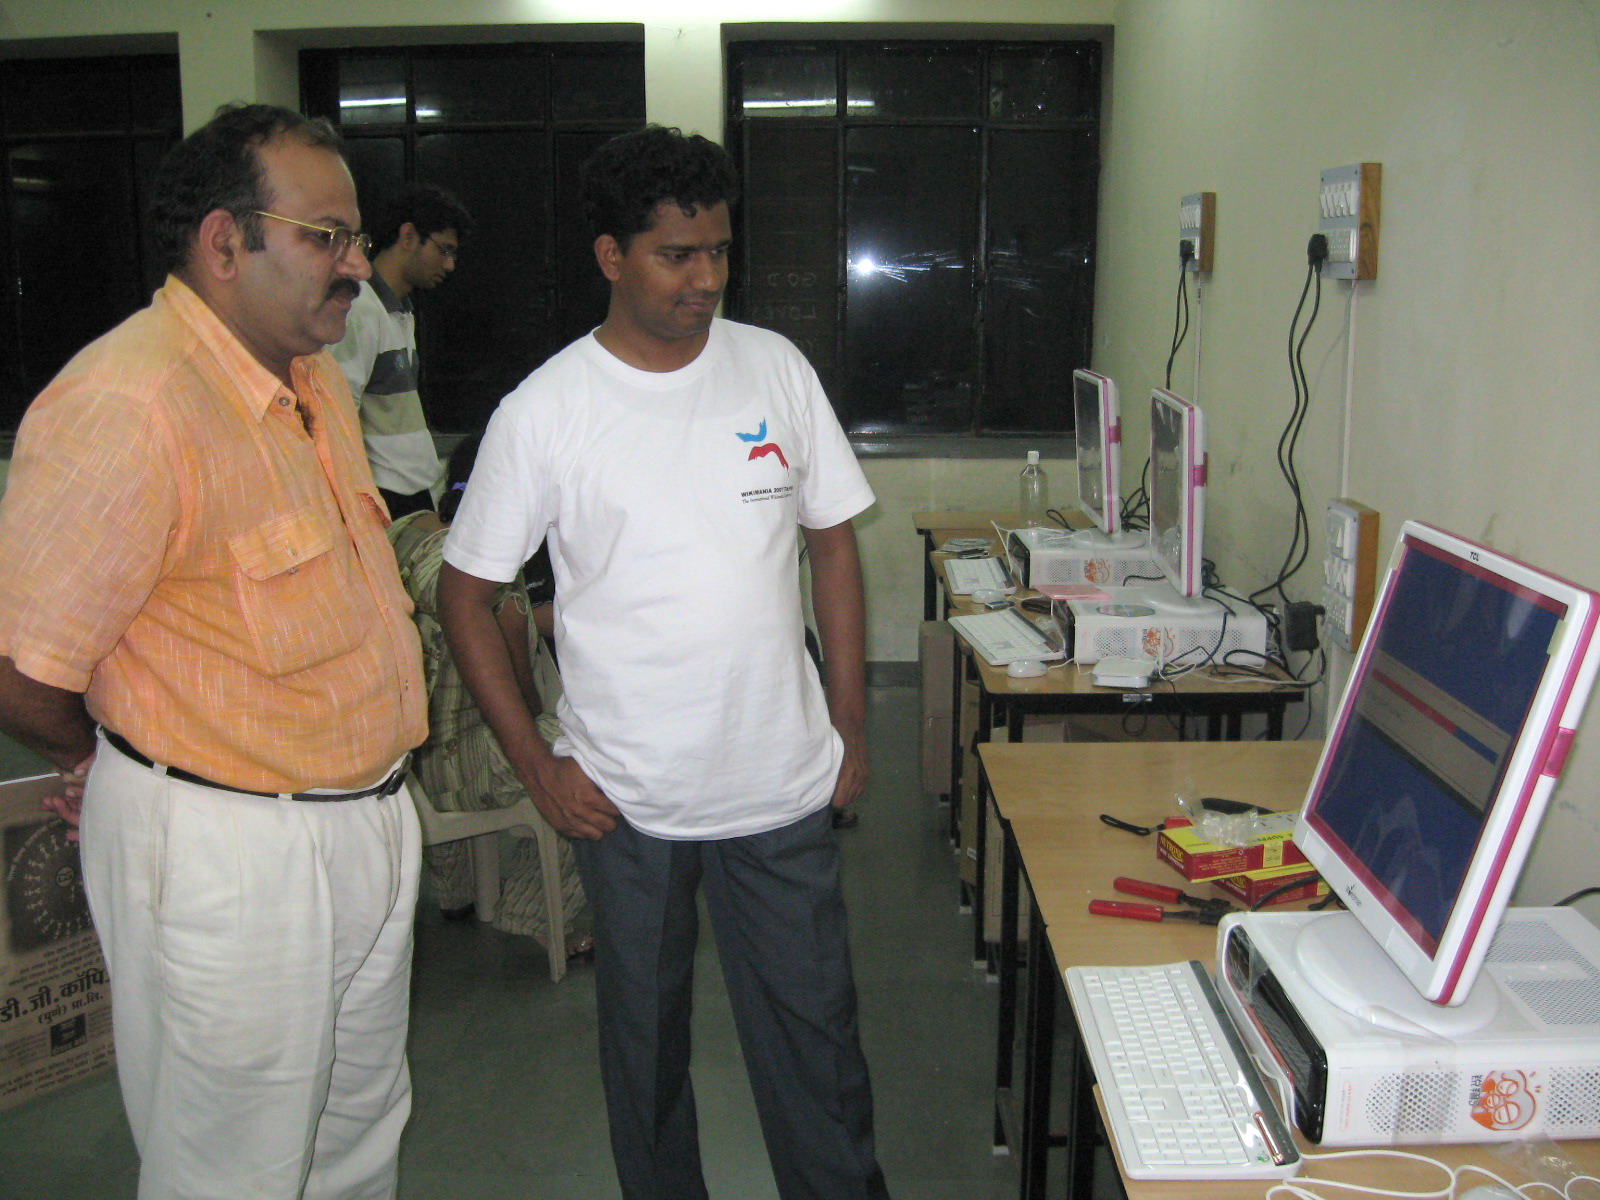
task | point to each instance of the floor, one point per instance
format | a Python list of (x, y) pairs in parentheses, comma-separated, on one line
[(507, 1096)]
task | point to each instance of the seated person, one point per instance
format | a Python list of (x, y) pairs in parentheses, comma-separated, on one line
[(460, 766)]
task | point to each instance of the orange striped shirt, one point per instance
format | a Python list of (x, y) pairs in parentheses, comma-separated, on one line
[(216, 580)]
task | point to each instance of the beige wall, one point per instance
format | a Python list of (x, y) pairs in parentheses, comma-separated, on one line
[(1475, 353)]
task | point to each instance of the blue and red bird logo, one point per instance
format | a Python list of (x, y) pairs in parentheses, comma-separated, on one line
[(763, 447)]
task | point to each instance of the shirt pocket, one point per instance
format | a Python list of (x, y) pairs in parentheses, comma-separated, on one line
[(297, 594)]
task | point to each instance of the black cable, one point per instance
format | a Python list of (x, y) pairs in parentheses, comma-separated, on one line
[(1288, 440), (1276, 892), (1577, 895), (1180, 307)]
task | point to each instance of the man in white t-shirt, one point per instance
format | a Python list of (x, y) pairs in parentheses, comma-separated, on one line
[(674, 461)]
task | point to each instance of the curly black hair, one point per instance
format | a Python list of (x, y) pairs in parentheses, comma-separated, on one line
[(626, 178), (217, 166), (428, 207)]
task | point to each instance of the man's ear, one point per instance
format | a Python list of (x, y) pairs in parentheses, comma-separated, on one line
[(218, 245), (608, 253), (409, 239)]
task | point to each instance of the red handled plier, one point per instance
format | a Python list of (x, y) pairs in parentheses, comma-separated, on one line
[(1170, 895), (1150, 912)]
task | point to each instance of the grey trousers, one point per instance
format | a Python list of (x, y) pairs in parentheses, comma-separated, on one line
[(778, 916)]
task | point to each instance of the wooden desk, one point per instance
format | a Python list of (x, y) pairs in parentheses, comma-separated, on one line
[(936, 528), (1049, 798), (1070, 690)]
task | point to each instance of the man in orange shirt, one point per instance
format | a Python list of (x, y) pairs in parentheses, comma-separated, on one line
[(201, 612)]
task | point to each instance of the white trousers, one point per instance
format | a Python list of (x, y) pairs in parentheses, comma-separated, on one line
[(260, 960)]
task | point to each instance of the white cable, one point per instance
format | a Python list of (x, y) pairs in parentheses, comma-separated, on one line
[(1349, 390)]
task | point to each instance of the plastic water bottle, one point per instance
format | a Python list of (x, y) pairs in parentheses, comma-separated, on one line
[(1033, 493)]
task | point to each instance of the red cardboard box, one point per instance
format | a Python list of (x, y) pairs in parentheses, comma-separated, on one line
[(1251, 886), (1196, 859)]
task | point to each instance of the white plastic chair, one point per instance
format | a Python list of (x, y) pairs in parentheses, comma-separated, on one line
[(522, 819)]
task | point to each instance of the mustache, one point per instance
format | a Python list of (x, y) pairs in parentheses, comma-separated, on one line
[(344, 287)]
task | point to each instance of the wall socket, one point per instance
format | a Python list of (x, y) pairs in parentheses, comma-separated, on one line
[(1349, 201), (1197, 223), (1350, 572)]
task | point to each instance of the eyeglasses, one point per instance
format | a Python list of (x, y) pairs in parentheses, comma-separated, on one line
[(338, 240), (453, 253)]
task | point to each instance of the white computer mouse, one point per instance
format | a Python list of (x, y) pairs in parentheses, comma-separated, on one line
[(1489, 1191), (1026, 668), (988, 596)]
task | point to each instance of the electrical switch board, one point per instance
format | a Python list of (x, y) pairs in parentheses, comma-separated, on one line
[(1350, 572), (1349, 201), (1197, 225)]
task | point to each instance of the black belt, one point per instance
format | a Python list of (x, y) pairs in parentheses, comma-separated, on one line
[(388, 787)]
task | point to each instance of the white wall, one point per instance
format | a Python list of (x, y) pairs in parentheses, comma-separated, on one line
[(1476, 350)]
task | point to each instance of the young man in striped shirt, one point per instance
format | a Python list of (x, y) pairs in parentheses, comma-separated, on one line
[(415, 249)]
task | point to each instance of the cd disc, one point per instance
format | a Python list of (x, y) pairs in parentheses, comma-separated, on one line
[(1126, 610)]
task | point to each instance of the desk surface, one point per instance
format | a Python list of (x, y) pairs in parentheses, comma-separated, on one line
[(1052, 795), (963, 522)]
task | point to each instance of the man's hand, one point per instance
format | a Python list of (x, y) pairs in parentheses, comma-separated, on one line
[(69, 804), (852, 779), (571, 802)]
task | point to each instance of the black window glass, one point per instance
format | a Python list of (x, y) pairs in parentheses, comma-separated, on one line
[(601, 83), (931, 252), (911, 212), (790, 207), (378, 165), (1040, 277), (157, 97), (505, 129), (914, 82), (582, 293), (74, 221), (790, 85), (499, 294), (372, 91), (466, 89), (80, 140), (79, 95), (1060, 83)]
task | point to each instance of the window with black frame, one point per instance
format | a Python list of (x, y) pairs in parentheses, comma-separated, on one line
[(505, 128), (81, 139), (920, 219)]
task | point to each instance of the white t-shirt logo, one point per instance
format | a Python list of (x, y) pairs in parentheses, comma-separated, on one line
[(764, 448)]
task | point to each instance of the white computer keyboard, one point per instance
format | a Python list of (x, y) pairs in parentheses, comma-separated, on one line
[(968, 575), (1182, 1096), (1005, 637)]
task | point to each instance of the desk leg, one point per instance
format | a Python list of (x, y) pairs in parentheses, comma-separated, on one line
[(958, 673), (1275, 722), (980, 948), (1083, 1124), (930, 582), (1005, 1039), (1038, 1058)]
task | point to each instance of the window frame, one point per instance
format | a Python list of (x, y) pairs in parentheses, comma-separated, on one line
[(906, 438)]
